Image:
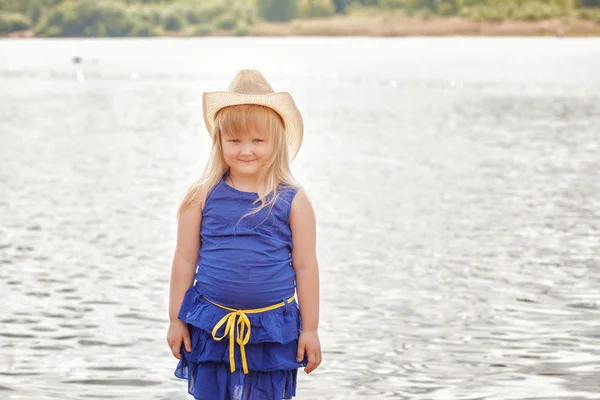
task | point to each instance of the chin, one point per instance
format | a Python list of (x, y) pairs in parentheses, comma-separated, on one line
[(246, 169)]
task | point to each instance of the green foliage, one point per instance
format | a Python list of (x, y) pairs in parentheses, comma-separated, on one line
[(31, 8), (142, 29), (14, 6), (519, 10), (368, 3), (536, 10), (340, 5), (12, 21), (53, 31), (173, 19), (150, 15), (485, 13), (429, 5), (590, 15), (202, 17), (227, 22), (443, 7), (277, 10), (316, 8), (392, 4), (462, 4), (34, 10), (448, 8), (92, 18), (243, 11), (201, 13), (590, 3), (242, 29), (203, 30), (364, 11), (131, 17), (247, 12)]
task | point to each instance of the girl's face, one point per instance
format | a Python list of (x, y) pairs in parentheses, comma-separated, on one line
[(247, 153)]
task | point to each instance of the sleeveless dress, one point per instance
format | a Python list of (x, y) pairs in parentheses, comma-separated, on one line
[(243, 263)]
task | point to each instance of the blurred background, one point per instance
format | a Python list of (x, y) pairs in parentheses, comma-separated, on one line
[(451, 152), (87, 18)]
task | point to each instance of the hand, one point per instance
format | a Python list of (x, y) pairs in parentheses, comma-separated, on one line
[(178, 332), (309, 343)]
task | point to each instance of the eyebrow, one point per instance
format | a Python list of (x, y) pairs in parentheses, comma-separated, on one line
[(251, 137)]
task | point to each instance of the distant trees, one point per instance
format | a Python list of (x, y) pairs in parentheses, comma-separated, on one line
[(80, 18), (277, 10), (10, 22), (200, 17), (316, 8), (93, 18), (340, 6)]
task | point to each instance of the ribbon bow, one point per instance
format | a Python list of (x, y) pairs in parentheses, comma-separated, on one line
[(238, 330)]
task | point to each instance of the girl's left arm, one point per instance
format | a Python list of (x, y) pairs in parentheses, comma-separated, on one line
[(304, 262)]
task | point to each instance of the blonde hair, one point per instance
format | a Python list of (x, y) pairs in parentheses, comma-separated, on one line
[(237, 121)]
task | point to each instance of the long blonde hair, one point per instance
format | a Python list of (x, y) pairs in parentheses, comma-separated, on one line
[(237, 121)]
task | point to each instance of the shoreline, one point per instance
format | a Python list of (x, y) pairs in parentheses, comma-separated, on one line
[(389, 26), (392, 26)]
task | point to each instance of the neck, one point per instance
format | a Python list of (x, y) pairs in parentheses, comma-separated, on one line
[(246, 183)]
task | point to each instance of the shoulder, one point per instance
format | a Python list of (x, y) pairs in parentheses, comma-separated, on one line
[(191, 216), (188, 238), (302, 206), (303, 226), (286, 194)]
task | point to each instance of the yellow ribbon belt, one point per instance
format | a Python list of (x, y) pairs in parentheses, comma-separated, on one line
[(240, 329)]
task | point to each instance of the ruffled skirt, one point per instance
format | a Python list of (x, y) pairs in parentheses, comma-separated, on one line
[(270, 353)]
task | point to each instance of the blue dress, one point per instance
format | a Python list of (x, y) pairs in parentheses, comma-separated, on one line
[(243, 263)]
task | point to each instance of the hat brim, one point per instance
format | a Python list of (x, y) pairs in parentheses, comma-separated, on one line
[(281, 102)]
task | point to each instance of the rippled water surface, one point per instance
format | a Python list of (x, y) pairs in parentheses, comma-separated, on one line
[(456, 181)]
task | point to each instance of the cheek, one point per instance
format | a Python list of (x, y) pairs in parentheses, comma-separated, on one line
[(267, 153), (263, 150), (228, 151)]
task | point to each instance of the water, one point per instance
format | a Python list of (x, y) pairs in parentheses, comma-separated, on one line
[(456, 182)]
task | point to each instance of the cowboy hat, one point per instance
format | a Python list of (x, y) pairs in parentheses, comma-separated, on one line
[(250, 87)]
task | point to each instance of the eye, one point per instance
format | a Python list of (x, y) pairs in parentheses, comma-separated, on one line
[(258, 140), (234, 140)]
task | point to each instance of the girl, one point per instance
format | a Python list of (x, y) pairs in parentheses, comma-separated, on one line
[(246, 236)]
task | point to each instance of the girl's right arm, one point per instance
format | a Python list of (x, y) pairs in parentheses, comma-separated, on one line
[(183, 270)]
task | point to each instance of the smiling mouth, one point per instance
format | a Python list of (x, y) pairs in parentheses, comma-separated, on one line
[(247, 161)]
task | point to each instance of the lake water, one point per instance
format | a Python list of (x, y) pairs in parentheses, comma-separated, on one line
[(456, 183)]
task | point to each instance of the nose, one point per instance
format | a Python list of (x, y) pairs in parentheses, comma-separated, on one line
[(246, 149)]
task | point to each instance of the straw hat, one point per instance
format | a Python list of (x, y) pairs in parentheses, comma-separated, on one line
[(250, 87)]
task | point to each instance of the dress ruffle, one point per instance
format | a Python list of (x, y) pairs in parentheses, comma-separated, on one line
[(214, 381), (281, 325), (270, 353)]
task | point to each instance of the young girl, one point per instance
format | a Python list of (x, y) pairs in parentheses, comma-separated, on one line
[(246, 236)]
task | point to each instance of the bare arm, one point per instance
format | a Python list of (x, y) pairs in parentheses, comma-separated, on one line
[(304, 260), (185, 258)]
